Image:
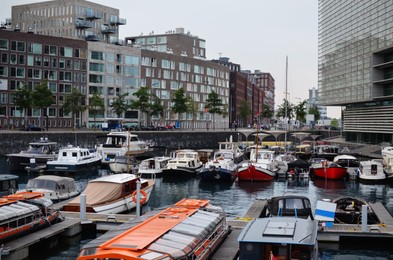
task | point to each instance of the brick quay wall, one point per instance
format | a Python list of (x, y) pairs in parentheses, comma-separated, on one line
[(16, 141)]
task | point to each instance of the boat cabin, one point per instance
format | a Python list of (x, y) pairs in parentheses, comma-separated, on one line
[(8, 183), (288, 206), (279, 238)]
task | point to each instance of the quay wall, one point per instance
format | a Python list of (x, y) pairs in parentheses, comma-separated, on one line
[(14, 142)]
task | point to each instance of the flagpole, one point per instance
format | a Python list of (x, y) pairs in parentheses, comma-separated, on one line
[(286, 101)]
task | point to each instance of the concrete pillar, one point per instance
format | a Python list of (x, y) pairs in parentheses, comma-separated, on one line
[(82, 207)]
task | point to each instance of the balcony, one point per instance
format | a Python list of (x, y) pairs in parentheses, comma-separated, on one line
[(93, 15), (118, 21), (108, 30), (82, 24), (93, 38)]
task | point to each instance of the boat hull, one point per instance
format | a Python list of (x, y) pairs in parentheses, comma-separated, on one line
[(180, 172), (331, 173), (64, 167), (254, 173), (214, 174)]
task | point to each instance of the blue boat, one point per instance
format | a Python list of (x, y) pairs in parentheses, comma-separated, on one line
[(221, 168)]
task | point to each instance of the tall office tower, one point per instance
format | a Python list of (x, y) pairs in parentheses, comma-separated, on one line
[(355, 66)]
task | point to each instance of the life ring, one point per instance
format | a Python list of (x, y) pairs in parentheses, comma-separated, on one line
[(142, 199)]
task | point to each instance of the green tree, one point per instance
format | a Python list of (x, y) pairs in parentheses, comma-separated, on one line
[(286, 108), (179, 101), (42, 98), (192, 108), (96, 106), (22, 98), (245, 111), (74, 103), (267, 112), (147, 103), (119, 104), (334, 123), (313, 110), (214, 105), (300, 112)]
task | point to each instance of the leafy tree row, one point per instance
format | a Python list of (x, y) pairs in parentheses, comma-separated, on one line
[(41, 97)]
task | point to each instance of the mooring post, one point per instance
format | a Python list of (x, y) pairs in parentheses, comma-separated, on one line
[(364, 218), (83, 207), (138, 198)]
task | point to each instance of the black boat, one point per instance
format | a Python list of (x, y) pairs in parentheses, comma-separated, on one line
[(288, 205), (349, 211)]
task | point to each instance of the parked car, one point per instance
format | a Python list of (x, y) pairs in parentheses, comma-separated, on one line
[(32, 128)]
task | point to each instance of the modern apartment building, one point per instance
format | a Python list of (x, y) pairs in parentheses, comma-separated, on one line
[(76, 19), (31, 59), (355, 66), (177, 42), (313, 101)]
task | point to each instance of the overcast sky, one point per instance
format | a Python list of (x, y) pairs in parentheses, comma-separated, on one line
[(257, 34)]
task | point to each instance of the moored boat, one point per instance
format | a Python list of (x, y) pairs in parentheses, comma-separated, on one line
[(330, 170), (348, 161), (184, 164), (190, 229), (24, 213), (8, 184), (279, 238), (113, 194), (120, 143), (73, 159), (349, 211), (287, 205), (221, 168), (53, 187), (262, 166), (41, 151), (124, 164), (153, 166), (371, 171)]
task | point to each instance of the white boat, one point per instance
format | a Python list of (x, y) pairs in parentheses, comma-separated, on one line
[(113, 194), (73, 159), (124, 164), (371, 171), (387, 155), (184, 163), (279, 238), (222, 168), (348, 161), (235, 147), (41, 152), (120, 143), (326, 151), (55, 188), (153, 166)]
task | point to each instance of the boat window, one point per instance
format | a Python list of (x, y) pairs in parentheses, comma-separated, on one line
[(64, 154), (291, 204), (13, 184), (5, 186)]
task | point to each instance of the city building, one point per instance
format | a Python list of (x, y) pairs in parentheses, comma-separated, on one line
[(77, 19), (177, 42), (313, 101), (355, 66)]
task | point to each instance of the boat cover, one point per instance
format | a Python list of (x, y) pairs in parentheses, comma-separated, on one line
[(100, 192)]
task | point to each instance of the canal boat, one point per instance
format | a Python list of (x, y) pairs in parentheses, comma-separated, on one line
[(326, 151), (24, 213), (113, 194), (8, 184), (348, 161), (329, 170), (153, 166), (279, 238), (303, 151), (222, 168), (124, 164), (184, 164), (349, 211), (53, 187), (190, 229), (387, 155), (287, 205), (371, 171), (262, 166), (74, 159), (40, 151), (120, 143)]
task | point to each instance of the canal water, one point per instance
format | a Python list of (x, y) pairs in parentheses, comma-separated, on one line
[(235, 198)]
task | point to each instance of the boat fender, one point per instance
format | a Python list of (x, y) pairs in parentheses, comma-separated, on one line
[(143, 198)]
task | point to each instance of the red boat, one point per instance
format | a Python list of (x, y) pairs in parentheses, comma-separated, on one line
[(262, 166), (330, 170)]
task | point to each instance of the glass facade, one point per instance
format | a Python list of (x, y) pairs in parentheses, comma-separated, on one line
[(355, 65)]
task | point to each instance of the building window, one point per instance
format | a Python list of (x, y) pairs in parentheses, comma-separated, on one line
[(50, 50), (66, 52), (18, 46), (13, 59), (131, 60), (95, 55), (4, 71), (3, 44), (4, 58), (35, 48)]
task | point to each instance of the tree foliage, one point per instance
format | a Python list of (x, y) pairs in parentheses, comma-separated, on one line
[(22, 98), (119, 104), (96, 105), (147, 103), (74, 103), (42, 97), (300, 111), (214, 105), (313, 110), (285, 109), (179, 101)]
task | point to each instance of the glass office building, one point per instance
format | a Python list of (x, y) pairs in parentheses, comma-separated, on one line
[(355, 66)]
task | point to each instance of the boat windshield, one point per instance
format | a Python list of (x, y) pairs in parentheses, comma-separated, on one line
[(41, 184)]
